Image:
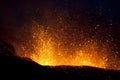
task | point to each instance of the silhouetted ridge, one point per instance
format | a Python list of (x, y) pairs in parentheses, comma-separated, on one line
[(14, 68), (6, 48)]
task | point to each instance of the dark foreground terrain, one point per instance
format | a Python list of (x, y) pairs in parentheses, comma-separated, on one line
[(12, 67), (16, 68)]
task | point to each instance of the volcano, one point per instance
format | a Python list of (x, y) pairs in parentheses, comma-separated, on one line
[(17, 68), (14, 67)]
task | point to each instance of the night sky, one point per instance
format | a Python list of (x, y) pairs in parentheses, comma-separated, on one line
[(15, 12)]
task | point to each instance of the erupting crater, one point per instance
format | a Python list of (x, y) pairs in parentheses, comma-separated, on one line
[(55, 47)]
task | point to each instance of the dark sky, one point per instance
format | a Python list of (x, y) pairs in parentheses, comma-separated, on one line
[(14, 11)]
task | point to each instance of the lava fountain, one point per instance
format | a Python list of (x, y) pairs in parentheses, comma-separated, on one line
[(54, 47)]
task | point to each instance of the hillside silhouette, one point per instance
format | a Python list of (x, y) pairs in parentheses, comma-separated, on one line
[(13, 67)]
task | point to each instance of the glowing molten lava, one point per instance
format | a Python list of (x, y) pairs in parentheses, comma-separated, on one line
[(49, 55), (45, 49)]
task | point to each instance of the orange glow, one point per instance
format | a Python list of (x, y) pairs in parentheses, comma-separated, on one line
[(47, 50)]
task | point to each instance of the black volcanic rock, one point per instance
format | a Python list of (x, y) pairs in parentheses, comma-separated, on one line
[(13, 68), (6, 48)]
